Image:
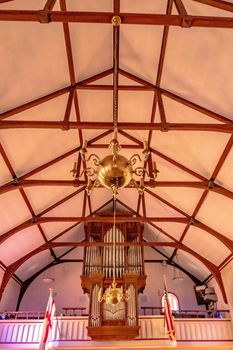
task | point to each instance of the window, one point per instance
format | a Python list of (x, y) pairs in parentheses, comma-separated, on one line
[(173, 301)]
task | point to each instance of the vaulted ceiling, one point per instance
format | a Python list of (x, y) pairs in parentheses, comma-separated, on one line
[(175, 89)]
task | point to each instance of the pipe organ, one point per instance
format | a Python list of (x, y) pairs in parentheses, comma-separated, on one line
[(107, 321)]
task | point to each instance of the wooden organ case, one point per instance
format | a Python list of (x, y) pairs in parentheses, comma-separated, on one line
[(105, 320)]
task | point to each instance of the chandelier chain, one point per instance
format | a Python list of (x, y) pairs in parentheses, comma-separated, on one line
[(115, 79), (114, 238)]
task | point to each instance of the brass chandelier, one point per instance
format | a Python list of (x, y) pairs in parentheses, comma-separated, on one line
[(116, 171)]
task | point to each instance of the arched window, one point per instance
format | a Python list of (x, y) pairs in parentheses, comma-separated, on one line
[(173, 301)]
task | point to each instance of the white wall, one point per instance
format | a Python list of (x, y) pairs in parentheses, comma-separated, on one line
[(67, 288), (153, 292), (67, 285)]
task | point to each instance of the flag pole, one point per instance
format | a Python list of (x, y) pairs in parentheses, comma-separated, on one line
[(168, 318)]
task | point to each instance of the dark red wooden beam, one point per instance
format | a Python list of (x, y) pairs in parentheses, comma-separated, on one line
[(180, 7), (105, 17), (49, 5), (120, 87), (162, 111), (163, 45), (15, 124), (76, 183), (68, 106)]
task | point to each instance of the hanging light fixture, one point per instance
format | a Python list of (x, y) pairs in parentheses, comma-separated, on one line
[(48, 275), (115, 171), (112, 294), (177, 273)]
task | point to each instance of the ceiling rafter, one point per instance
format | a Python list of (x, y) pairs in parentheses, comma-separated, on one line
[(49, 5), (11, 269), (68, 106), (46, 17), (180, 8), (36, 124), (205, 185), (162, 112), (71, 69), (41, 220)]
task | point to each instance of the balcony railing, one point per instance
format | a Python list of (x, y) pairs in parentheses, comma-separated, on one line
[(72, 331)]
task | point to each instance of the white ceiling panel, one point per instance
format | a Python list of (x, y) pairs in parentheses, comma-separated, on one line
[(206, 82), (23, 5), (52, 229), (18, 210), (42, 197), (77, 253), (27, 240), (183, 198), (58, 171), (148, 6), (89, 5), (38, 77), (199, 9), (139, 51), (196, 267), (138, 106), (174, 229), (27, 149), (34, 264), (100, 108), (99, 197), (75, 234), (51, 110), (156, 208), (216, 212), (204, 244), (185, 148), (72, 207), (179, 113), (88, 53)]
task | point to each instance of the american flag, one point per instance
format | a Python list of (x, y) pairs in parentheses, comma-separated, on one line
[(168, 318), (48, 323)]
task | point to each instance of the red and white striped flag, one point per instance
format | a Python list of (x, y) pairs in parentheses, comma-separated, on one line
[(48, 323), (168, 318)]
